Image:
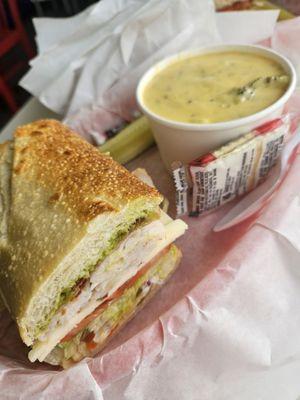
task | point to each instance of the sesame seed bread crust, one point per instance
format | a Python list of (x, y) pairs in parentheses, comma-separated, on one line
[(67, 202), (88, 181)]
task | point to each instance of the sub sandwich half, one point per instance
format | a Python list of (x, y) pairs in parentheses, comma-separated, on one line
[(84, 243)]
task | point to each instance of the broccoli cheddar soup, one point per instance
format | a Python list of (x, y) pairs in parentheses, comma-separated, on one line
[(215, 87)]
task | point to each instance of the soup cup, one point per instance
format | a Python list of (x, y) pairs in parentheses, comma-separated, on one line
[(182, 141)]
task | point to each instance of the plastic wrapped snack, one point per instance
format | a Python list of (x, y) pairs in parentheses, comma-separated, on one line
[(232, 170)]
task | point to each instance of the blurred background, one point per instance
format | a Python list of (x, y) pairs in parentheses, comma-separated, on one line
[(17, 44)]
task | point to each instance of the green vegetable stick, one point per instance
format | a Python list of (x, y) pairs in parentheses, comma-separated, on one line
[(130, 142)]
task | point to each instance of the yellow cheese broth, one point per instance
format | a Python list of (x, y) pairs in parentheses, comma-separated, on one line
[(202, 89)]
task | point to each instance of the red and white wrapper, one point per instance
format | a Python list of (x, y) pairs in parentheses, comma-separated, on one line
[(181, 185), (231, 171), (236, 168)]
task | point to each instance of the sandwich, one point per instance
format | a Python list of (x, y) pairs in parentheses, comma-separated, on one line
[(84, 243), (234, 5)]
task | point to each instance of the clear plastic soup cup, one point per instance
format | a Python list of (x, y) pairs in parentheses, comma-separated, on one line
[(181, 141)]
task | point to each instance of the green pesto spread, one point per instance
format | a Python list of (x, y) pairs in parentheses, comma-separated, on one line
[(68, 292)]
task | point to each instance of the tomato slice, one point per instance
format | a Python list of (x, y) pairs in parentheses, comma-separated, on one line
[(82, 324), (91, 345)]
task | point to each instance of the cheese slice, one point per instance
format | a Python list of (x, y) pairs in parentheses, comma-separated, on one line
[(40, 350)]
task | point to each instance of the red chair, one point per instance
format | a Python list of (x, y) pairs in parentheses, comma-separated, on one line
[(10, 36)]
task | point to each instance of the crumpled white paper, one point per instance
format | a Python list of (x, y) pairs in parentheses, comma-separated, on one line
[(285, 42), (83, 56)]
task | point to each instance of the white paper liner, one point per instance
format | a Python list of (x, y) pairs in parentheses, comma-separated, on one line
[(225, 327)]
